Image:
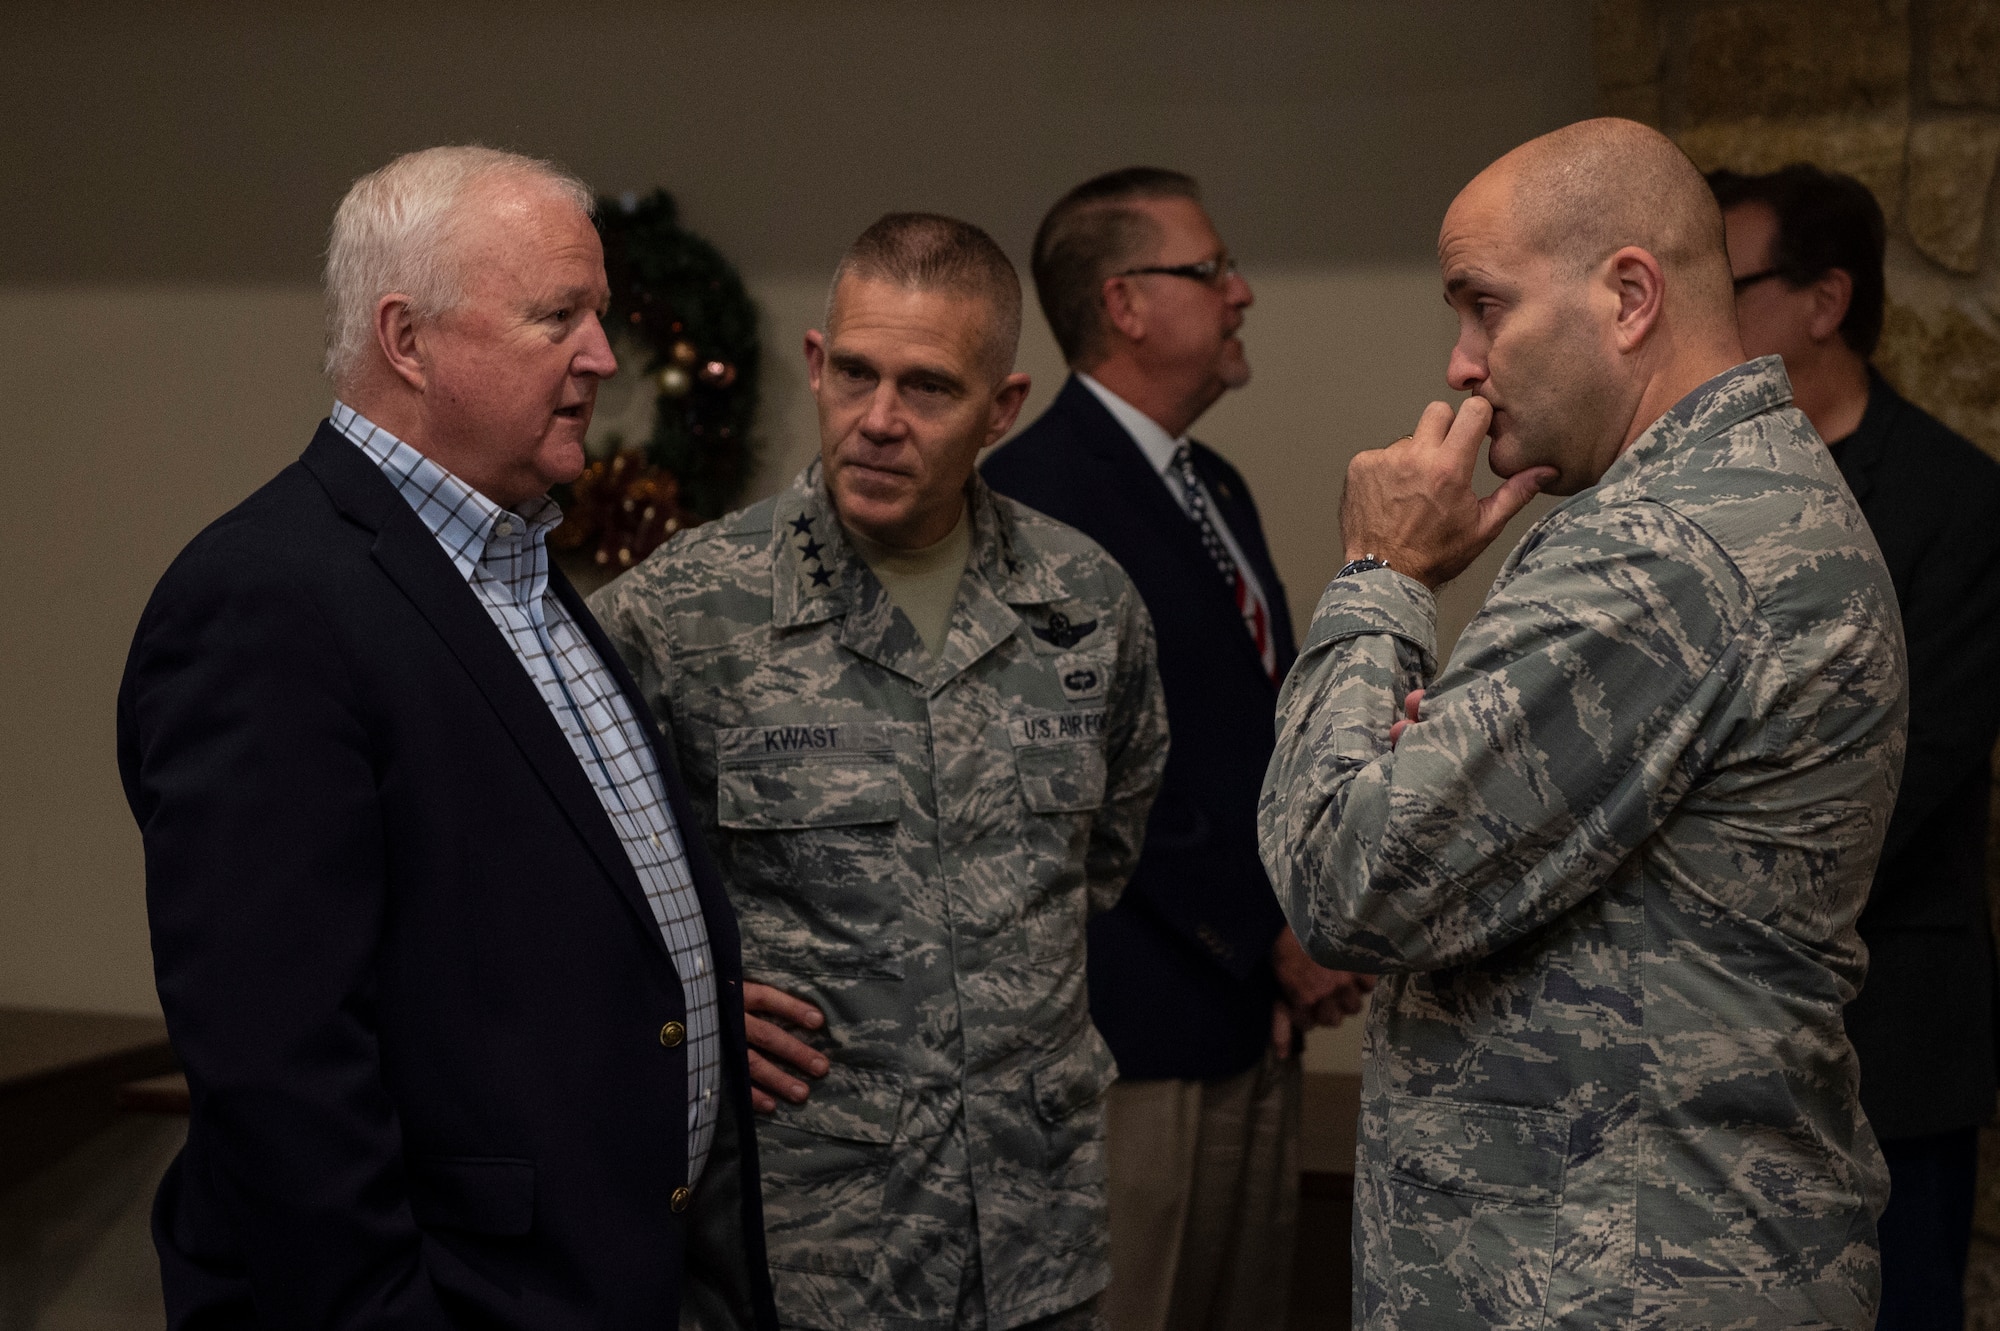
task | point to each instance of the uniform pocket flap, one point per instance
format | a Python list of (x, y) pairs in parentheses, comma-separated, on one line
[(1506, 1152), (1072, 1081), (851, 1104), (1059, 757), (810, 775), (478, 1195)]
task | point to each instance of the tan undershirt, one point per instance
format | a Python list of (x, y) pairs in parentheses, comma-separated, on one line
[(923, 583)]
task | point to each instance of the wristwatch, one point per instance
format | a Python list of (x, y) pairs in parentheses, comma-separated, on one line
[(1361, 565)]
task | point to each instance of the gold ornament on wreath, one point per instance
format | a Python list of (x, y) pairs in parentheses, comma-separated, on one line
[(626, 506), (685, 328)]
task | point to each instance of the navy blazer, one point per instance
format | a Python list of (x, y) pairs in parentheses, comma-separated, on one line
[(404, 959), (1181, 983)]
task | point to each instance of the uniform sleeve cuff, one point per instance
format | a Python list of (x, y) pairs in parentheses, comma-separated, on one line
[(1378, 601)]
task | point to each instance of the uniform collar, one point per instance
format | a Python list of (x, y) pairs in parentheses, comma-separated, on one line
[(1730, 398), (817, 575)]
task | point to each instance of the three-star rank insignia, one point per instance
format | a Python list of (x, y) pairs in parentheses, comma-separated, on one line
[(821, 576), (1059, 632)]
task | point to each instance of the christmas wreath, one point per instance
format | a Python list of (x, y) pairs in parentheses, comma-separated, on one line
[(679, 308)]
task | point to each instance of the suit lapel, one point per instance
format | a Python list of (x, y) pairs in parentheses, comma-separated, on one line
[(1134, 479), (1157, 507), (411, 557), (1133, 476)]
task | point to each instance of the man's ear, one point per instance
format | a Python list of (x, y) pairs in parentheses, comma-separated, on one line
[(815, 356), (1007, 400), (1121, 308), (1832, 294), (1635, 281), (396, 335)]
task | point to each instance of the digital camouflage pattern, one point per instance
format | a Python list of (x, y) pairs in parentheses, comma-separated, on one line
[(1613, 874), (914, 846)]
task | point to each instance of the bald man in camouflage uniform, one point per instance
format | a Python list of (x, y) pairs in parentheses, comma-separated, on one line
[(1613, 856), (914, 836)]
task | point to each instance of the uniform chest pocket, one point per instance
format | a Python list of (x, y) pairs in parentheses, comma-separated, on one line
[(797, 791), (1059, 758), (808, 816)]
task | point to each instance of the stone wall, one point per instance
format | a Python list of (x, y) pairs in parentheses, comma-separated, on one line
[(1902, 94)]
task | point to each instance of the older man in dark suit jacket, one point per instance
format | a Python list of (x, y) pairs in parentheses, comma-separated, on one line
[(458, 997), (1806, 250), (1195, 981)]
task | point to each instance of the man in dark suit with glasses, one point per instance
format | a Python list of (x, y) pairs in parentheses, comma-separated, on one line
[(1195, 981)]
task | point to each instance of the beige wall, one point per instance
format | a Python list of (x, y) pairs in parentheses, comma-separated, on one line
[(159, 332), (133, 417)]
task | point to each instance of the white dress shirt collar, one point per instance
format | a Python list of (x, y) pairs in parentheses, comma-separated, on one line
[(470, 527)]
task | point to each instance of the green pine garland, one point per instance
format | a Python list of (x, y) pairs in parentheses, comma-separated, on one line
[(676, 296)]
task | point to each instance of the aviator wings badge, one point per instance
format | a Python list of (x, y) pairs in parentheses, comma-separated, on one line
[(1060, 632)]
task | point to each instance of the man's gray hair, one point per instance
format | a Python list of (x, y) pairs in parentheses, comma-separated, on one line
[(396, 231), (930, 252)]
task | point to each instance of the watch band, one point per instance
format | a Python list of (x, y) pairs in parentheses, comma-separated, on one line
[(1362, 565)]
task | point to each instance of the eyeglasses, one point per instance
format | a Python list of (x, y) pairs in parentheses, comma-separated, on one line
[(1748, 280), (1209, 272)]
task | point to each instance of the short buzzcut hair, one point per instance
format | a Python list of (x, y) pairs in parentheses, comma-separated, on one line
[(396, 230), (1825, 221), (931, 252), (1090, 234)]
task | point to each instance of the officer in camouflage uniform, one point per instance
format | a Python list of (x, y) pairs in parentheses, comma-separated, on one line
[(914, 838), (1613, 858)]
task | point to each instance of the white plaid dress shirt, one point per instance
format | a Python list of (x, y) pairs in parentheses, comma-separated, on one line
[(503, 556)]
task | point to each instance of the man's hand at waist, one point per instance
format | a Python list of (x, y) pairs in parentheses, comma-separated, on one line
[(772, 1071)]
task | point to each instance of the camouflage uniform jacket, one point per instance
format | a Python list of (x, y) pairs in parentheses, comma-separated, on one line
[(915, 846), (1613, 874)]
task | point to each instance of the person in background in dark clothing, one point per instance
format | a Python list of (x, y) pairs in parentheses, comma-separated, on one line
[(1195, 981), (1806, 251)]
